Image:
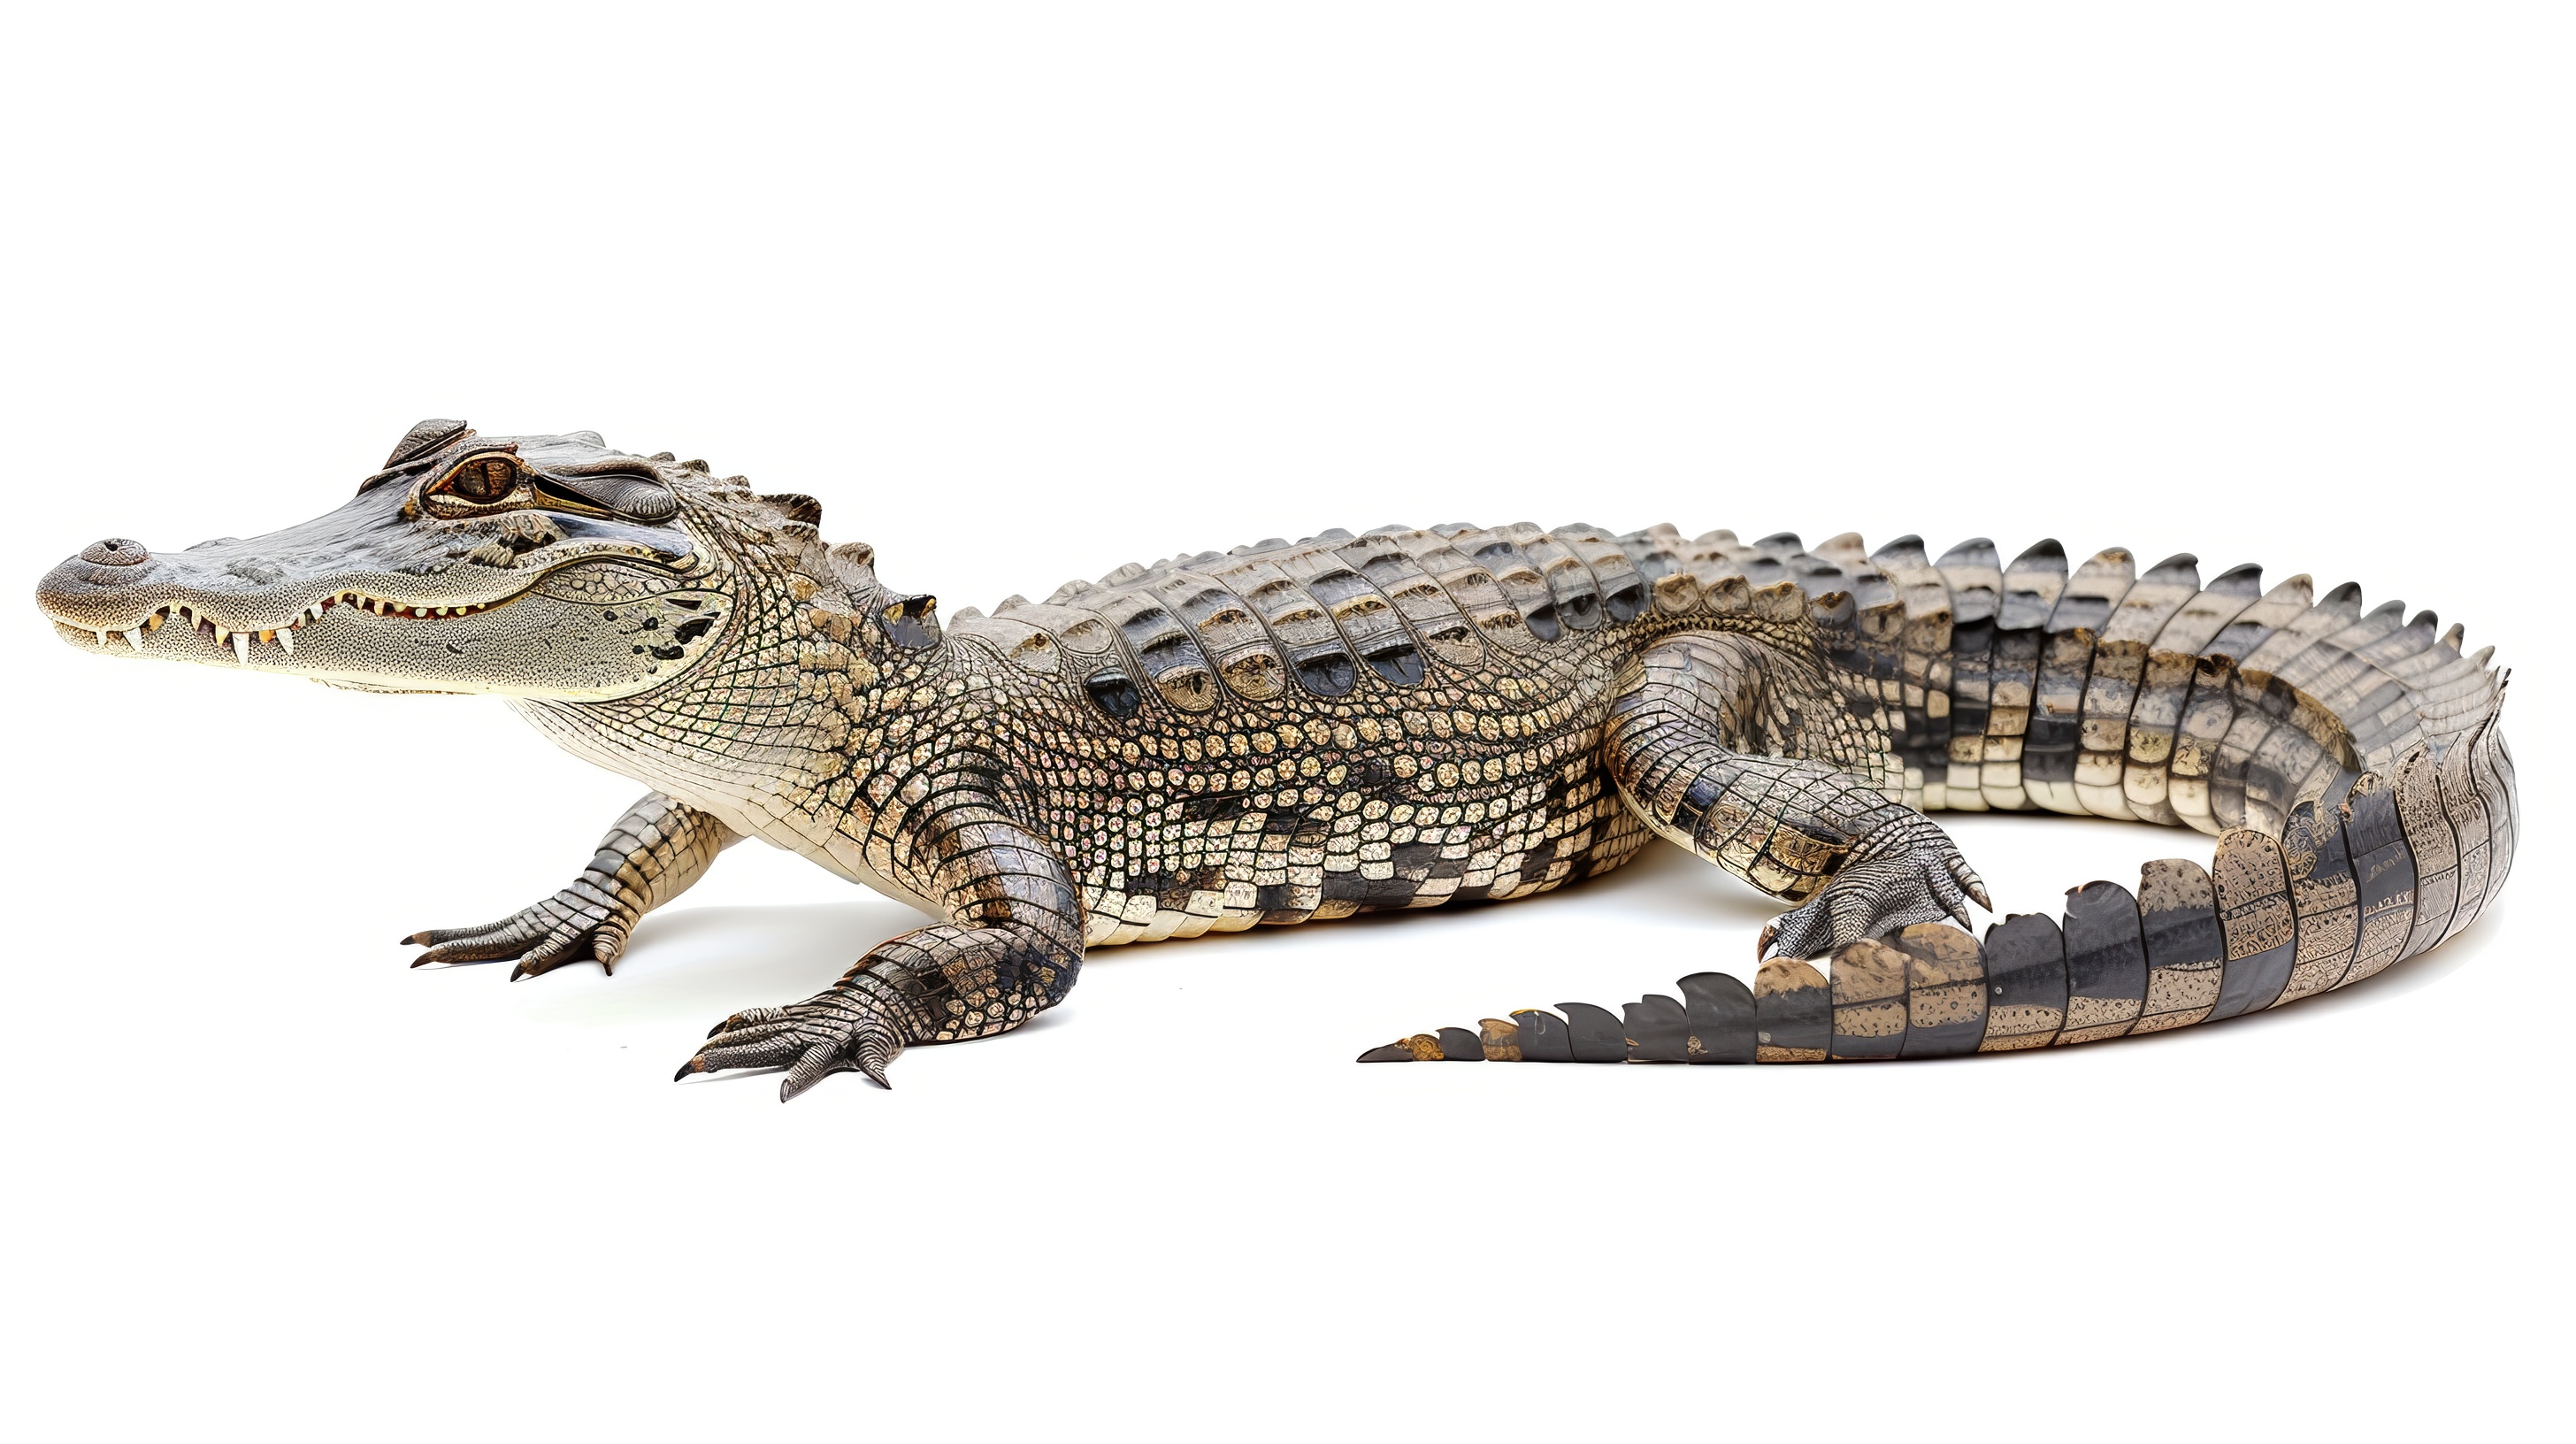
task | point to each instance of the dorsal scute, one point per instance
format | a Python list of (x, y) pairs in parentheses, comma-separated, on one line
[(1232, 639), (1016, 640), (1425, 605), (1368, 621), (1976, 580), (2032, 585), (1309, 645), (1339, 611), (1166, 656), (1654, 551), (1569, 581), (1615, 578), (1079, 631), (1471, 588), (1514, 574)]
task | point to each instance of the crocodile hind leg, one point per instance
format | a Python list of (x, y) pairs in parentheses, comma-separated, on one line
[(1009, 950), (1697, 726), (649, 857)]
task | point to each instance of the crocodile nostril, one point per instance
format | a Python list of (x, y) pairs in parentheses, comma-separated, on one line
[(116, 552)]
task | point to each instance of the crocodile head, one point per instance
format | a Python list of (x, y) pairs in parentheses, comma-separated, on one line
[(532, 566)]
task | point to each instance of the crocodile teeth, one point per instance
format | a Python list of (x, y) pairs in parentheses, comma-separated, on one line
[(287, 640), (102, 638), (241, 647), (134, 638)]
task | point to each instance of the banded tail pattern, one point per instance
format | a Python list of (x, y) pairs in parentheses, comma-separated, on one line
[(2349, 764), (2388, 872)]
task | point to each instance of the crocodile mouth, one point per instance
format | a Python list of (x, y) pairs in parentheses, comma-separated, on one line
[(192, 618)]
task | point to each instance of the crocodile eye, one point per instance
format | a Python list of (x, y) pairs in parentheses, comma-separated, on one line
[(479, 480), (483, 479)]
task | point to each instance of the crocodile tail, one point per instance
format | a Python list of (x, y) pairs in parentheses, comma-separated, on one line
[(2382, 866)]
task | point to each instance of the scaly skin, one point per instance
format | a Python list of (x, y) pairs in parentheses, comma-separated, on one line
[(1296, 732), (649, 857)]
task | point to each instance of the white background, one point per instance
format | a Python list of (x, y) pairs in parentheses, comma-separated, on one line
[(1027, 293)]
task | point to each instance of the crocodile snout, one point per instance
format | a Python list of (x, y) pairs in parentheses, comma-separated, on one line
[(116, 551), (91, 589)]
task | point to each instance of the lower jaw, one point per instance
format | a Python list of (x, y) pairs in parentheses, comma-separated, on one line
[(165, 642), (206, 653)]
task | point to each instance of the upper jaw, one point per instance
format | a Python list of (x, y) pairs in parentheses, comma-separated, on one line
[(71, 597), (367, 554), (274, 582)]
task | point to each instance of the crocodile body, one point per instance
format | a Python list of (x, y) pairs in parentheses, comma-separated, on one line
[(1291, 732)]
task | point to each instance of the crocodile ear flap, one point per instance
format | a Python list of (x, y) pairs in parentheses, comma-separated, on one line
[(912, 622), (620, 493), (424, 438)]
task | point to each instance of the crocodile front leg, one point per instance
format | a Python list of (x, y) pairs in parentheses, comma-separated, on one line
[(651, 856), (1009, 950)]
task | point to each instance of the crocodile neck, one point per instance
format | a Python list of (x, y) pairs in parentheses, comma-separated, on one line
[(779, 731)]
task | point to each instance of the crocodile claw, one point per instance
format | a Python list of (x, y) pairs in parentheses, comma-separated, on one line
[(569, 927), (1912, 874), (835, 1032), (605, 945)]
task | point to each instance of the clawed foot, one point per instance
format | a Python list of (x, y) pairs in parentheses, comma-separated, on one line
[(572, 926), (835, 1032), (1910, 873)]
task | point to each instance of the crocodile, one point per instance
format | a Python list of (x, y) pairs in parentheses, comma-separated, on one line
[(1291, 732)]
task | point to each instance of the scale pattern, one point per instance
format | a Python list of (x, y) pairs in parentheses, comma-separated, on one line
[(2349, 766), (1296, 731), (1289, 732)]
